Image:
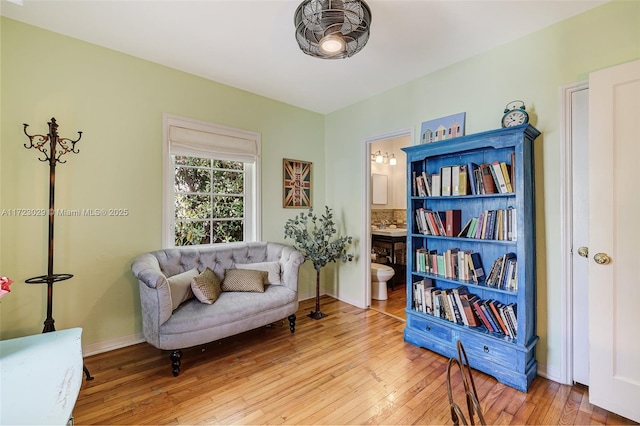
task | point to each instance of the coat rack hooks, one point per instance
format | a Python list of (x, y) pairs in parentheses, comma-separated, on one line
[(53, 148)]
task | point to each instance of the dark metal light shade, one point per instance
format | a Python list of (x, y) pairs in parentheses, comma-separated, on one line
[(332, 29)]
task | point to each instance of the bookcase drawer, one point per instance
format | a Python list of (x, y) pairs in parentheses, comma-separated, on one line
[(431, 328), (489, 349)]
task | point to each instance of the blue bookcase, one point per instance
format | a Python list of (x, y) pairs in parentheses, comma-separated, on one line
[(506, 352)]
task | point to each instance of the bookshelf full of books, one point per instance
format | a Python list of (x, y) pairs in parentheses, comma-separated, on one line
[(471, 259)]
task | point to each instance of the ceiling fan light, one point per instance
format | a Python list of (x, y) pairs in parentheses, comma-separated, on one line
[(332, 44), (332, 29)]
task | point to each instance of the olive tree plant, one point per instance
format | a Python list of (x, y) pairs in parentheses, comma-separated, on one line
[(314, 237)]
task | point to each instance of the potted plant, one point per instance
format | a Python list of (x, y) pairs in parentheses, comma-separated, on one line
[(314, 238)]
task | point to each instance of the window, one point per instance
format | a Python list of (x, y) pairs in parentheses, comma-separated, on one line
[(211, 186)]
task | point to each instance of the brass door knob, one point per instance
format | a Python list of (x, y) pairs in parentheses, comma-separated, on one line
[(583, 251), (602, 258)]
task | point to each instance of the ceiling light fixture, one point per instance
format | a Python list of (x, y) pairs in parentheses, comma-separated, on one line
[(332, 29)]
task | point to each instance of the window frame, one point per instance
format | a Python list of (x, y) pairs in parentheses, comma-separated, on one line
[(252, 206)]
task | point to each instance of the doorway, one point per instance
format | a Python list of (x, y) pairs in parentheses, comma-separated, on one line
[(392, 212)]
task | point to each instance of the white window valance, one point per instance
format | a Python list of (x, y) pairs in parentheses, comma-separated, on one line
[(199, 143)]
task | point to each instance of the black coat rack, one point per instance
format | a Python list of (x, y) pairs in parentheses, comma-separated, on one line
[(53, 148)]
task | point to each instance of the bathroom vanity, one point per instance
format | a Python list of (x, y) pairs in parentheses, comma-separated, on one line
[(389, 245)]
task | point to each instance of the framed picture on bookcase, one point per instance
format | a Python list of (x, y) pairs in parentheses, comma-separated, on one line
[(449, 127), (297, 184)]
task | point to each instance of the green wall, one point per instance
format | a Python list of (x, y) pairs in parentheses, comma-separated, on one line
[(117, 101), (532, 69)]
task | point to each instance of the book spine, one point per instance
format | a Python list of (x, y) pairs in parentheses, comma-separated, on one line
[(455, 180), (458, 302), (436, 183), (445, 173), (478, 269), (496, 315), (440, 218), (471, 172), (506, 175), (469, 312), (477, 305), (433, 227), (506, 320), (499, 177), (428, 300), (511, 312), (487, 179), (481, 225), (463, 187), (427, 183), (444, 302), (419, 185), (473, 228), (457, 315), (513, 171), (437, 309), (489, 315), (491, 225), (452, 222)]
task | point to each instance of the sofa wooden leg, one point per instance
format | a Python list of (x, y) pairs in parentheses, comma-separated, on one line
[(175, 362), (292, 322)]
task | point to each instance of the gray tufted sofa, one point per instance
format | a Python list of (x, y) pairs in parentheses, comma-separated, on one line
[(194, 323)]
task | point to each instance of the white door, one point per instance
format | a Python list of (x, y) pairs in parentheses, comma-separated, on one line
[(614, 238), (580, 232)]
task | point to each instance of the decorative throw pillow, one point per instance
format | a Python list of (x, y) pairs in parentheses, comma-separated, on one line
[(272, 268), (180, 287), (244, 280), (206, 286)]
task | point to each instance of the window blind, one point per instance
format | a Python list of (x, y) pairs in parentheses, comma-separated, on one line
[(197, 143)]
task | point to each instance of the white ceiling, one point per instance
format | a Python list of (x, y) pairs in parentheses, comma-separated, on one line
[(251, 44)]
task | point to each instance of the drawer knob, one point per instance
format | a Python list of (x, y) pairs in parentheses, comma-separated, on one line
[(428, 328), (486, 349)]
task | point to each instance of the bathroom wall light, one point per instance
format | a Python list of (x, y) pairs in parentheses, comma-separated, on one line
[(384, 159), (377, 157)]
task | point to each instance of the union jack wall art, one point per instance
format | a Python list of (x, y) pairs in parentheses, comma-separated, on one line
[(297, 184)]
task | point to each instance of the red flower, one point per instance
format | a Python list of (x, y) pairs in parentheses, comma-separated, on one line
[(4, 286)]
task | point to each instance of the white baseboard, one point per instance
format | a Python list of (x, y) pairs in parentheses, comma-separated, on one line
[(355, 303), (112, 344), (306, 296), (548, 373)]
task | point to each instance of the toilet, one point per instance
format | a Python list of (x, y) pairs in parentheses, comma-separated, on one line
[(380, 274)]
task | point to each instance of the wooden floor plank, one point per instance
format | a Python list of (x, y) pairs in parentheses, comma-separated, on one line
[(351, 368), (572, 407)]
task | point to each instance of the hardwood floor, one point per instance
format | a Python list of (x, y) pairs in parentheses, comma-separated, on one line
[(395, 303), (352, 367)]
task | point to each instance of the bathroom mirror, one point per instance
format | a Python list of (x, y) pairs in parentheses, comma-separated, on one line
[(379, 189)]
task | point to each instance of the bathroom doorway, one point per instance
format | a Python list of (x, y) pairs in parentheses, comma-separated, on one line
[(384, 213)]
